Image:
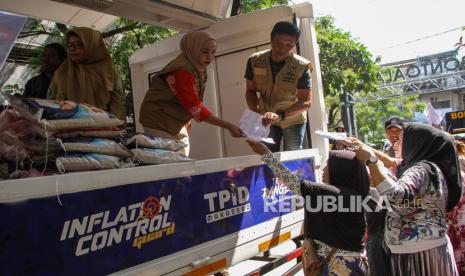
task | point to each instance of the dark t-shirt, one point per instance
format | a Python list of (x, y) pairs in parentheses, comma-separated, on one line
[(305, 81), (37, 87)]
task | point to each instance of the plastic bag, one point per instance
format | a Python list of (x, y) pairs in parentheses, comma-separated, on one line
[(56, 115), (146, 141), (96, 145), (87, 162), (104, 132), (158, 156)]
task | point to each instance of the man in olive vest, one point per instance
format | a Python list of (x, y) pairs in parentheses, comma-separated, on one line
[(283, 81)]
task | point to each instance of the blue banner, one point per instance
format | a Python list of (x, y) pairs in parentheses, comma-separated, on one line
[(102, 231), (10, 27)]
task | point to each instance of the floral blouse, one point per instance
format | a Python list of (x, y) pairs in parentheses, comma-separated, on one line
[(416, 220)]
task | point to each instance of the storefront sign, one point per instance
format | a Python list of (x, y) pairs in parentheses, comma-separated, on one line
[(455, 120), (421, 69)]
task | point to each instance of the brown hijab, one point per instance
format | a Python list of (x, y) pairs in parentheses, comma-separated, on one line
[(91, 81), (191, 46)]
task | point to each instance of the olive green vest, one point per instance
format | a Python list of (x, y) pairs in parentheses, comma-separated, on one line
[(281, 94), (160, 108)]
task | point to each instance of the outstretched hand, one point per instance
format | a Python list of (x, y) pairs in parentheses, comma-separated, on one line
[(235, 131), (258, 147), (362, 150)]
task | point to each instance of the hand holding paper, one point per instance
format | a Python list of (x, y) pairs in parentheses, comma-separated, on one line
[(251, 125), (332, 135)]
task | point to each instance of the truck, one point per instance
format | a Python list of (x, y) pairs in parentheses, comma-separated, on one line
[(193, 218)]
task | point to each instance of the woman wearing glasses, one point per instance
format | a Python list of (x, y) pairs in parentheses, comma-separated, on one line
[(88, 75)]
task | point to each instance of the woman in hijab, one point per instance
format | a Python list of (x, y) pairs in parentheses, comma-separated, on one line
[(176, 92), (334, 239), (88, 75), (428, 185)]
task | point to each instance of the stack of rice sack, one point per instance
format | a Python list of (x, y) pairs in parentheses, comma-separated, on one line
[(155, 150), (64, 136), (78, 135), (25, 147)]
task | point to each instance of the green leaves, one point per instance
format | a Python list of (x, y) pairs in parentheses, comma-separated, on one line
[(345, 63), (255, 5)]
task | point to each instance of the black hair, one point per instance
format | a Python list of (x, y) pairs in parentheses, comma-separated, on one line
[(285, 28), (61, 51)]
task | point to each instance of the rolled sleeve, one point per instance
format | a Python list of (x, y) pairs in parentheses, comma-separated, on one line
[(289, 179), (385, 186)]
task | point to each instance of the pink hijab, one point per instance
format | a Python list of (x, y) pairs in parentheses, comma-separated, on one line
[(191, 45)]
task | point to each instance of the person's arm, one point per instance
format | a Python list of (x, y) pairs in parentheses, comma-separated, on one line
[(250, 90), (304, 101), (233, 129), (388, 161), (251, 96), (406, 187), (282, 172), (182, 84), (304, 95), (292, 181)]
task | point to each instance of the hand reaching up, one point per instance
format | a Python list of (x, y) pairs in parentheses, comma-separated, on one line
[(258, 147)]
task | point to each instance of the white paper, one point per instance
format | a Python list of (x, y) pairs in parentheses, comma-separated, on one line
[(332, 135), (251, 125)]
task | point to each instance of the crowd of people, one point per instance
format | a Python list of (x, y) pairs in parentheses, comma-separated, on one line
[(419, 172)]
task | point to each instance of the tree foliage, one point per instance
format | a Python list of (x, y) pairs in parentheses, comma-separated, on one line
[(255, 5), (122, 45), (348, 66), (372, 115)]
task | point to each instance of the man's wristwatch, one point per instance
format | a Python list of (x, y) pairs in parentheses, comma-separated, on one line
[(371, 160), (281, 114)]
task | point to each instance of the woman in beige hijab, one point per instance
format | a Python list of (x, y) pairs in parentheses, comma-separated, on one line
[(176, 92), (88, 76)]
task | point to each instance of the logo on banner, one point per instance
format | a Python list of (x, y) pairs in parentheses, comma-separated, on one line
[(276, 192), (219, 203), (141, 222)]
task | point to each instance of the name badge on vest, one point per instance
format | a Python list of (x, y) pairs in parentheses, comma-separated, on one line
[(259, 71), (290, 75)]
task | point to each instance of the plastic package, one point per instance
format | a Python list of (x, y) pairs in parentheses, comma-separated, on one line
[(85, 162), (146, 141), (96, 145), (158, 156)]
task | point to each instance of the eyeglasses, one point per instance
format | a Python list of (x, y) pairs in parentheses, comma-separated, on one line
[(75, 45)]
